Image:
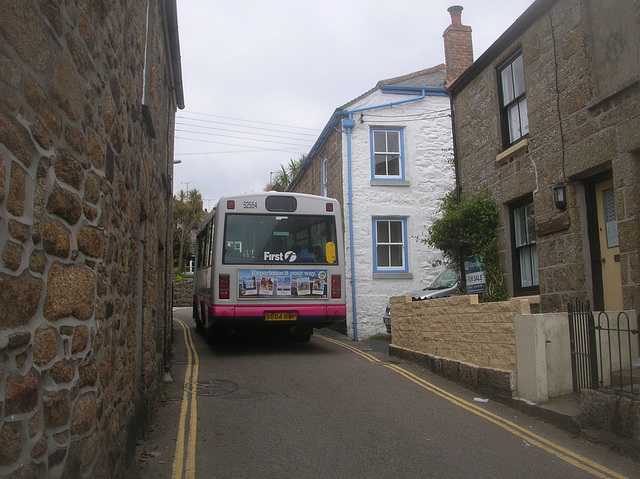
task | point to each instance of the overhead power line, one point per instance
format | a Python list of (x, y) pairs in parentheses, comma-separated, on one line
[(245, 120), (243, 132)]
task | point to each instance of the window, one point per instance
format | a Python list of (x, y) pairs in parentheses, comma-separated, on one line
[(515, 121), (277, 239), (387, 154), (390, 238), (323, 179), (525, 254)]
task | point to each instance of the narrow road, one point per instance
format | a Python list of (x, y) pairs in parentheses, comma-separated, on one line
[(332, 408)]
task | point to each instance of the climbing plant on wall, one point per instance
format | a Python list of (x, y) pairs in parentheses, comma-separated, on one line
[(468, 228)]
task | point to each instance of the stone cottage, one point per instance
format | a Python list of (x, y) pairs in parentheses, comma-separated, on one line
[(88, 94), (386, 156), (547, 121)]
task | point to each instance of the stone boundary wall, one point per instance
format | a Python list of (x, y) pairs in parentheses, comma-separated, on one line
[(183, 293), (615, 415), (85, 233), (459, 328)]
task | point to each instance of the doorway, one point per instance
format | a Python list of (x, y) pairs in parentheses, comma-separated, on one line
[(607, 252)]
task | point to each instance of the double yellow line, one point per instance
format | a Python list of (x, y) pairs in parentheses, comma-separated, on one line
[(184, 465), (531, 438)]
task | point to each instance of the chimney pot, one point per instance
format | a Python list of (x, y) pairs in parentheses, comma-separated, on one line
[(456, 14)]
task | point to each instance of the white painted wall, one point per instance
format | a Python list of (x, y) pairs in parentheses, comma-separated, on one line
[(428, 149)]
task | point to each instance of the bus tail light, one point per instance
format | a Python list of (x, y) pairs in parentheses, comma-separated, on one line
[(223, 286), (336, 286)]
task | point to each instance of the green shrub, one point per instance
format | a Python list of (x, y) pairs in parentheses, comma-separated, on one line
[(468, 228)]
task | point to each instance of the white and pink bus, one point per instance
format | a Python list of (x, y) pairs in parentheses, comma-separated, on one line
[(270, 262)]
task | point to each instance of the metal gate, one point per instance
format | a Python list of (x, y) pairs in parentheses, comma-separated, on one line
[(582, 335)]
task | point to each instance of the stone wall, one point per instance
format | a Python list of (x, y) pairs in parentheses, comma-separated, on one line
[(183, 293), (85, 239)]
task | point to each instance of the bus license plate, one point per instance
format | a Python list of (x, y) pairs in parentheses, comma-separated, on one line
[(280, 316)]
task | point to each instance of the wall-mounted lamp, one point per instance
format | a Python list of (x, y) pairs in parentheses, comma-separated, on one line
[(560, 195)]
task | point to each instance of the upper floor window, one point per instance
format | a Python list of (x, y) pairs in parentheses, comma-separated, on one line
[(390, 240), (387, 154), (515, 121), (525, 253)]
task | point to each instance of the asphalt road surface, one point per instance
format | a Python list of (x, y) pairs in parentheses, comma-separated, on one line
[(333, 408)]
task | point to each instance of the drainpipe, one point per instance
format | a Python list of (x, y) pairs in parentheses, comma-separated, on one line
[(349, 124)]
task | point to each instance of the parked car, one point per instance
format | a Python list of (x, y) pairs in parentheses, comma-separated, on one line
[(445, 284)]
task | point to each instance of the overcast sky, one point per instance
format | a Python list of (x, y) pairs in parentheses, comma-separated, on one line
[(261, 79)]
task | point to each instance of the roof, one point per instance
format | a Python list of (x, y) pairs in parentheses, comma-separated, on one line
[(530, 15), (430, 78)]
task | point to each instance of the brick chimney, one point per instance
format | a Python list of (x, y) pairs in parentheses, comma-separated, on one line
[(458, 49)]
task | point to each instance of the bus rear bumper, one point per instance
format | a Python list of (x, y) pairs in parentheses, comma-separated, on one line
[(315, 315)]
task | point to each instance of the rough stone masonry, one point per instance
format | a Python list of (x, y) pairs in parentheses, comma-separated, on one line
[(87, 111)]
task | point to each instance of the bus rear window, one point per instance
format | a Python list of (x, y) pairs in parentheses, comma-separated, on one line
[(279, 239)]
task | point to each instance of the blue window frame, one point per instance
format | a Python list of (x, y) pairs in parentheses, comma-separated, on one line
[(387, 154), (390, 245)]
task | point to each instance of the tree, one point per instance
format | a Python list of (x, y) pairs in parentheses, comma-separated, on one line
[(187, 214), (283, 177), (468, 228)]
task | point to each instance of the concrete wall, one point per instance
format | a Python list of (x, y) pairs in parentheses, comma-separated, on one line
[(85, 233), (543, 354), (459, 328)]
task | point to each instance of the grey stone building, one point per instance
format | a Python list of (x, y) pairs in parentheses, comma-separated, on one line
[(88, 94), (553, 106)]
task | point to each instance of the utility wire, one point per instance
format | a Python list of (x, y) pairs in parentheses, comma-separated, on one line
[(244, 132), (242, 138), (253, 148), (248, 121)]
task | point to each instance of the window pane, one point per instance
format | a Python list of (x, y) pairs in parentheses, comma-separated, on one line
[(519, 226), (531, 224), (380, 165), (534, 266), (518, 76), (514, 123), (261, 238), (382, 232), (396, 231), (507, 86), (393, 142), (525, 268), (379, 141), (529, 266), (393, 165), (524, 117), (383, 256), (396, 255), (610, 220)]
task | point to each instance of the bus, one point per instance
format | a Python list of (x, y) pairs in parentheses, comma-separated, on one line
[(269, 262)]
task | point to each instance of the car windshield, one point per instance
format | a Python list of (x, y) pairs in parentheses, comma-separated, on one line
[(446, 279)]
